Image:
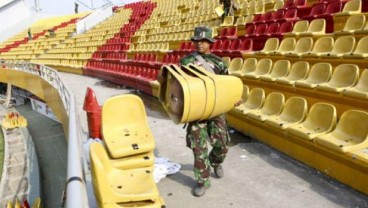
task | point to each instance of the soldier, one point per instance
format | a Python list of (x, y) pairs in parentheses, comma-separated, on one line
[(213, 130), (228, 8)]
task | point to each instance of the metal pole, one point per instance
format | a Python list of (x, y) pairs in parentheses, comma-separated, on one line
[(8, 95)]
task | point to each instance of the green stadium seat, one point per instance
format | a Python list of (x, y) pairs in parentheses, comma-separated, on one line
[(272, 106), (344, 76), (294, 112), (351, 133), (319, 73), (320, 120)]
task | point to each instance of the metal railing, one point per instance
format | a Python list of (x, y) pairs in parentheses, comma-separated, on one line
[(76, 192)]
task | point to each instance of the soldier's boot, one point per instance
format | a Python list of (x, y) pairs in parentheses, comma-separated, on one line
[(199, 190), (219, 171)]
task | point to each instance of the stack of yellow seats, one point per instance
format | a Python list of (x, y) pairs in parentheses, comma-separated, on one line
[(13, 120), (122, 172)]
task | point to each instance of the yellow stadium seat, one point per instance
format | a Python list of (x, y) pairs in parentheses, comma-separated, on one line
[(159, 203), (244, 9), (135, 161), (37, 203), (228, 21), (360, 155), (280, 69), (260, 9), (322, 46), (294, 112), (254, 101), (303, 46), (125, 128), (319, 73), (272, 106), (316, 27), (351, 7), (263, 67), (361, 51), (245, 93), (344, 76), (320, 120), (299, 27), (343, 45), (279, 4), (286, 46), (299, 71), (112, 185), (270, 46), (360, 90), (351, 133), (240, 21), (354, 23), (235, 65), (226, 60), (249, 18), (249, 66), (9, 205)]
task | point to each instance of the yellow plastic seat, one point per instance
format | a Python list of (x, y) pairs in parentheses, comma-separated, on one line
[(361, 51), (249, 19), (228, 21), (263, 67), (360, 155), (159, 203), (235, 65), (351, 7), (9, 205), (260, 9), (112, 185), (303, 46), (322, 46), (351, 133), (126, 131), (245, 93), (360, 90), (244, 9), (280, 69), (354, 23), (270, 46), (37, 203), (343, 45), (135, 161), (286, 46), (344, 76), (254, 101), (299, 27), (240, 21), (319, 73), (294, 112), (299, 71), (316, 27), (249, 66), (226, 60), (320, 120), (211, 94), (272, 106), (279, 4)]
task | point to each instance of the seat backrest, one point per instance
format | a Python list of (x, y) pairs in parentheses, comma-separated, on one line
[(345, 75), (229, 20), (304, 45), (249, 19), (279, 14), (289, 3), (295, 109), (235, 64), (317, 9), (268, 16), (240, 21), (362, 46), (271, 45), (258, 18), (273, 28), (226, 60), (299, 71), (278, 5), (273, 104), (317, 26), (322, 116), (355, 22), (300, 26), (353, 6), (333, 7), (226, 45), (323, 45), (363, 82), (344, 45), (246, 45), (286, 27), (280, 68), (245, 93), (352, 125), (287, 45), (255, 99), (291, 13), (217, 45), (250, 29), (235, 44), (319, 73), (249, 65), (261, 29), (264, 66)]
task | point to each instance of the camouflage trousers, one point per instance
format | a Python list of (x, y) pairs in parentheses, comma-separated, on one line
[(215, 132)]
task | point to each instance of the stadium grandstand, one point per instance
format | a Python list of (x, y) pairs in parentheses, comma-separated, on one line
[(299, 137)]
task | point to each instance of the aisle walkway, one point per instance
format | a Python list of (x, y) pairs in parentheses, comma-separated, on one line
[(256, 175)]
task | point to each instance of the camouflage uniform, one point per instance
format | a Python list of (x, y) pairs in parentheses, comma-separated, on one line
[(228, 8), (213, 130)]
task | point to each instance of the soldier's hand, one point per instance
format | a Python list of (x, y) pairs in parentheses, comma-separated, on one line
[(238, 103)]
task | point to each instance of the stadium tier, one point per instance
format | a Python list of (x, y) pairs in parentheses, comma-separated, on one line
[(303, 64)]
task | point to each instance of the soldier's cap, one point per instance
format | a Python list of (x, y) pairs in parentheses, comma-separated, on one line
[(203, 33)]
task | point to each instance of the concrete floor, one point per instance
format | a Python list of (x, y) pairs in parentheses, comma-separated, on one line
[(256, 175)]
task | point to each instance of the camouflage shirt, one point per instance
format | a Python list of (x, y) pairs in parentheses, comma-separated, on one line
[(214, 61)]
